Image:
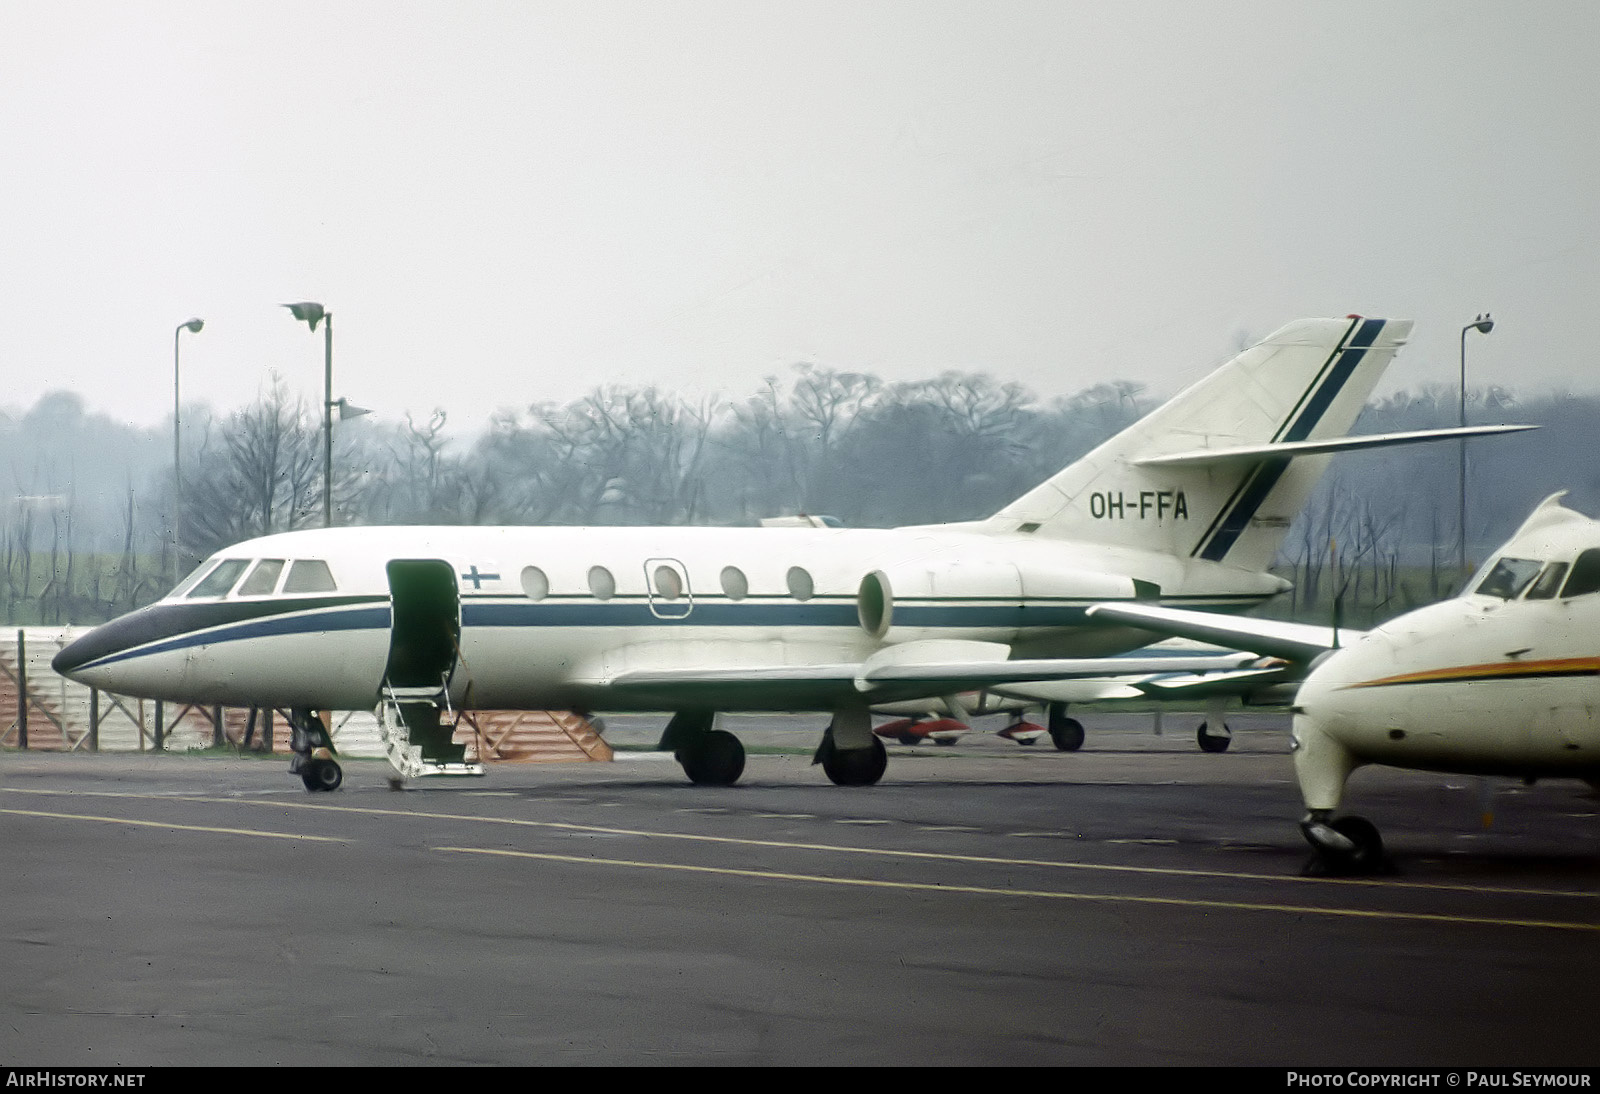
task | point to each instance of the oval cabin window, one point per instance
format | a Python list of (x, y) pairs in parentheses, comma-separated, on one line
[(601, 583), (535, 585), (801, 587), (734, 584), (668, 584)]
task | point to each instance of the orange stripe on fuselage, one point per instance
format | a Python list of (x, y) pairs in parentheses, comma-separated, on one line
[(1498, 670)]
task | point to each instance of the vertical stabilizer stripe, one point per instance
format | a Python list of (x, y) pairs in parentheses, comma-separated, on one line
[(1241, 508)]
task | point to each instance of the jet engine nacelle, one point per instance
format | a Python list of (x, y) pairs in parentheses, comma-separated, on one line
[(908, 603)]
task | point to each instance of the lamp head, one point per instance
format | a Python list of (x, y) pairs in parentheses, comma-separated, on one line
[(307, 311), (1483, 324), (347, 409), (193, 326)]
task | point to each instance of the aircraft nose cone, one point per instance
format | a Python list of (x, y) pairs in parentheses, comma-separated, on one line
[(87, 659), (74, 655)]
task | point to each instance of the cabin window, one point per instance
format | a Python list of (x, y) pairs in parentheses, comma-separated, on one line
[(535, 585), (309, 575), (1509, 577), (1549, 581), (669, 586), (601, 583), (220, 580), (263, 579), (734, 584), (1585, 577), (801, 587)]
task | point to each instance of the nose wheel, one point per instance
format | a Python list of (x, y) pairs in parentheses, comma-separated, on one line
[(1344, 846), (322, 775), (313, 752)]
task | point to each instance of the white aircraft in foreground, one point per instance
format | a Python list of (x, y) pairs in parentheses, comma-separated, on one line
[(1500, 680), (1185, 507)]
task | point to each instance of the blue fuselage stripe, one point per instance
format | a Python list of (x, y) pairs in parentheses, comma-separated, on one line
[(624, 614)]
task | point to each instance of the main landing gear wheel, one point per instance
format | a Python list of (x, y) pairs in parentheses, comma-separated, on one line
[(1213, 742), (1347, 845), (1067, 733), (714, 758), (322, 775), (853, 767)]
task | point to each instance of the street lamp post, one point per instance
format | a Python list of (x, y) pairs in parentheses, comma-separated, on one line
[(193, 327), (1483, 325), (312, 313)]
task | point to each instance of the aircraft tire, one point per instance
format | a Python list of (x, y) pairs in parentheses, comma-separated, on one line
[(910, 739), (1363, 856), (322, 775), (1368, 854), (1067, 734), (1212, 742), (856, 767), (715, 759)]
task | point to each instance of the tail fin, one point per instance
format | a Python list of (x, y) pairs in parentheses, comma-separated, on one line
[(1306, 382)]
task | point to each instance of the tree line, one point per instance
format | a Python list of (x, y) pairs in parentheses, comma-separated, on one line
[(89, 529)]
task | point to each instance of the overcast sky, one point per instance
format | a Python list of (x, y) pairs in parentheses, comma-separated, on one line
[(510, 202)]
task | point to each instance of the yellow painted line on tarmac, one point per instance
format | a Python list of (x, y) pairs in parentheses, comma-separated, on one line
[(1042, 894), (170, 826), (791, 845)]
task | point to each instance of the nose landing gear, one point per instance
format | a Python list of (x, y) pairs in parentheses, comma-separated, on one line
[(313, 752)]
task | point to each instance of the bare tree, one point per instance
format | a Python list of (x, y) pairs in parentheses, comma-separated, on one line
[(258, 473)]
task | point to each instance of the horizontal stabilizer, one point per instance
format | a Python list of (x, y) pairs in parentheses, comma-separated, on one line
[(1203, 457), (1268, 637)]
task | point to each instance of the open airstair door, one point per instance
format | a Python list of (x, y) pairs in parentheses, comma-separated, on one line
[(415, 712)]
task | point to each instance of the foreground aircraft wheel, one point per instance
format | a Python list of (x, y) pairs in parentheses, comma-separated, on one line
[(856, 766), (322, 775), (1067, 733), (1368, 853), (1213, 742), (715, 759), (1348, 845)]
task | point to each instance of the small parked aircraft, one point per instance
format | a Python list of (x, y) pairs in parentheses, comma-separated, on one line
[(1185, 507), (1500, 680)]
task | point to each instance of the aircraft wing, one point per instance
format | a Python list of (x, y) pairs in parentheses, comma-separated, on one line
[(1267, 637), (881, 679)]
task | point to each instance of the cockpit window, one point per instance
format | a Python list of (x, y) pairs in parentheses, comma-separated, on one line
[(220, 580), (194, 577), (309, 575), (1509, 577), (1549, 581), (263, 579), (1585, 577)]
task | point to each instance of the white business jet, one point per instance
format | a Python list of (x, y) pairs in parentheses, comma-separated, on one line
[(1500, 680), (1186, 507)]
